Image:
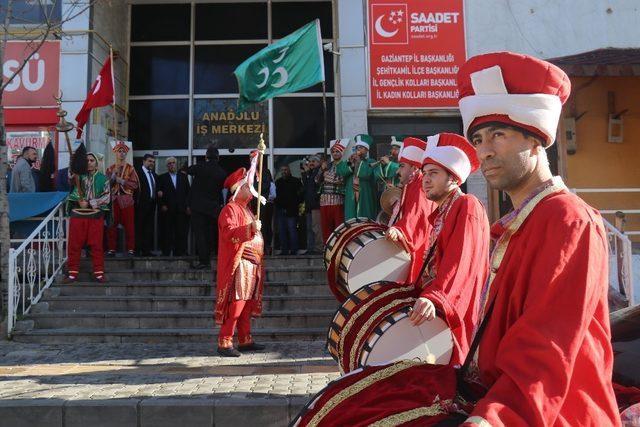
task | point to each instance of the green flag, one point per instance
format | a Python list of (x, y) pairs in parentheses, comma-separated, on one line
[(288, 65)]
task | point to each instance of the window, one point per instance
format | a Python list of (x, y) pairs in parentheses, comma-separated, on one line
[(159, 124), (159, 70), (182, 58), (288, 17), (26, 13), (293, 161), (162, 22), (220, 21), (214, 67), (298, 122), (328, 75)]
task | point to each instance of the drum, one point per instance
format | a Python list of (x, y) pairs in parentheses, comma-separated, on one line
[(383, 218), (389, 197), (400, 393), (340, 230), (370, 256), (334, 250), (372, 327)]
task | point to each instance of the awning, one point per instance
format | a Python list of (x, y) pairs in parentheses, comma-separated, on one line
[(42, 116), (609, 62), (26, 205)]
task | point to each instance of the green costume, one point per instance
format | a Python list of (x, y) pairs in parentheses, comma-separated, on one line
[(95, 188), (367, 205), (388, 173)]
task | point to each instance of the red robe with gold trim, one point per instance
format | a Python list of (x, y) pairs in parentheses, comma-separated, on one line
[(460, 268), (414, 224), (546, 352), (234, 228)]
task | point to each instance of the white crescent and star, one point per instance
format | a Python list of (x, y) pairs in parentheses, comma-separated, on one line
[(264, 71), (98, 84), (284, 77), (282, 54), (281, 71), (382, 31)]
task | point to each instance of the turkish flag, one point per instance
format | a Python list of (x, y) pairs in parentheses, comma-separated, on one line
[(101, 94)]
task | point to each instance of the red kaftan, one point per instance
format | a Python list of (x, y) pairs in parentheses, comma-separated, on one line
[(546, 352), (414, 224), (460, 269), (234, 228)]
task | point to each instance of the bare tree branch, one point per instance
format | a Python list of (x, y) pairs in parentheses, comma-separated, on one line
[(47, 28)]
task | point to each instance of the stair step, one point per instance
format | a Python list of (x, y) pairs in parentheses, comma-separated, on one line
[(120, 262), (182, 288), (272, 274), (164, 335), (172, 319), (175, 303)]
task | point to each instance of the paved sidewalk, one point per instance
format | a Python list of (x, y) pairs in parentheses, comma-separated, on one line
[(269, 385), (98, 371)]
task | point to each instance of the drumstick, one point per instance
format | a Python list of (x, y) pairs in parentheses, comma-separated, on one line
[(431, 358)]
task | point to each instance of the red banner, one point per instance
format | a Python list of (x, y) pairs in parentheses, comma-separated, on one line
[(39, 80), (415, 50)]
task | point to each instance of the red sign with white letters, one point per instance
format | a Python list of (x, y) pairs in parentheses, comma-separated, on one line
[(39, 80), (415, 50)]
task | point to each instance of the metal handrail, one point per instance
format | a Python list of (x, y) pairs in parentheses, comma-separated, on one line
[(34, 264), (607, 190), (620, 246)]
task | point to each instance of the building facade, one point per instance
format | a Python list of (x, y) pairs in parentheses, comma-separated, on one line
[(176, 93)]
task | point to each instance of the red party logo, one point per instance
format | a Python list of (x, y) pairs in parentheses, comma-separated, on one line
[(389, 23)]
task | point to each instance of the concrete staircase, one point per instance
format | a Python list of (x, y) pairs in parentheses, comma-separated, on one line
[(163, 300)]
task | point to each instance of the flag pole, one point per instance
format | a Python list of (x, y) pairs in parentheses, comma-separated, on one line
[(324, 120), (261, 149), (65, 127), (115, 113)]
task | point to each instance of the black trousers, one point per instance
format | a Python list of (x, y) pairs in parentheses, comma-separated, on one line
[(174, 228), (205, 234), (266, 216), (145, 216)]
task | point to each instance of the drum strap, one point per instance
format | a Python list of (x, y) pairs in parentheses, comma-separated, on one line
[(466, 390), (426, 262)]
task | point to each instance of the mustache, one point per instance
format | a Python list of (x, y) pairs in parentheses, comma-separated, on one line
[(490, 164)]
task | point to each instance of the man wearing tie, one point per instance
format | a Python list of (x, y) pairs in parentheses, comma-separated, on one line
[(174, 211), (146, 205)]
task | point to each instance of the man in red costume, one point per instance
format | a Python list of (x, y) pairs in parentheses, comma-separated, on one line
[(409, 221), (240, 268), (544, 352), (457, 270), (124, 182)]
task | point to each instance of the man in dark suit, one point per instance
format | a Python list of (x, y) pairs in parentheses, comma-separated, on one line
[(174, 210), (205, 201), (146, 205)]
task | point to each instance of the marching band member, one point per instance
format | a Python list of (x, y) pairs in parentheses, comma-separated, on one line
[(458, 268), (360, 187), (545, 356), (240, 274), (410, 219), (87, 207), (331, 190), (124, 182), (387, 168)]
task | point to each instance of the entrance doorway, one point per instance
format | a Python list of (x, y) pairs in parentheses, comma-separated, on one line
[(230, 162)]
